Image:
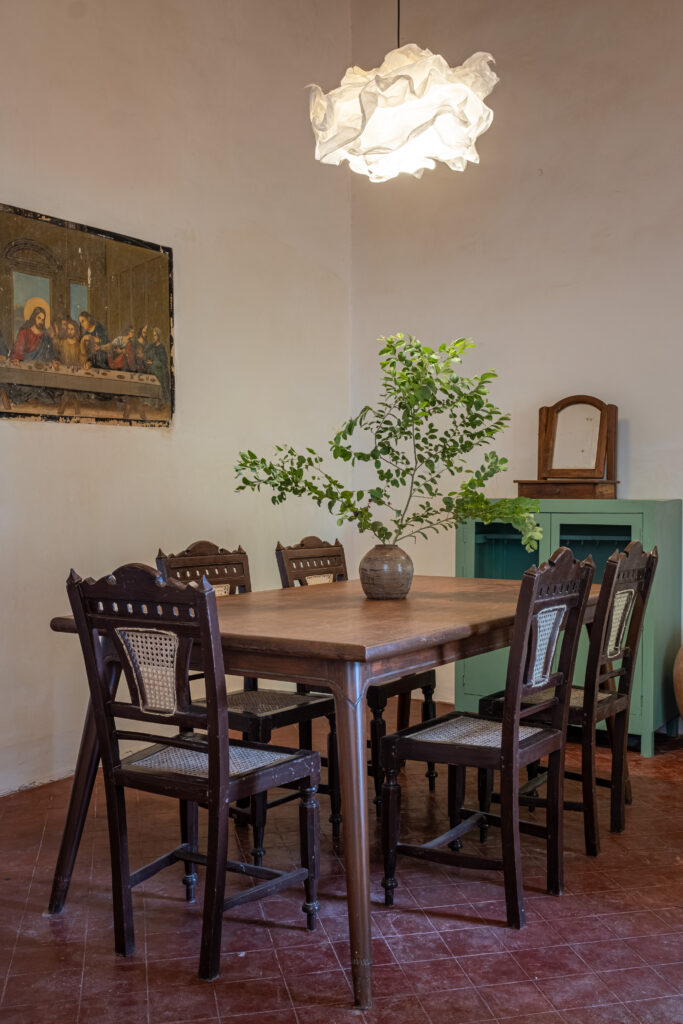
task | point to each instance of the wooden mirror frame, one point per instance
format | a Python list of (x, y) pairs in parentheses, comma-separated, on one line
[(606, 456)]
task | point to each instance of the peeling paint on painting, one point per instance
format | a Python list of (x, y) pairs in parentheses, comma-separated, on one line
[(86, 323)]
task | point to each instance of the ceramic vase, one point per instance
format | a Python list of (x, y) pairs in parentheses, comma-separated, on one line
[(386, 573)]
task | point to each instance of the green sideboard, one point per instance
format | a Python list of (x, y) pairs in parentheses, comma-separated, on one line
[(588, 527)]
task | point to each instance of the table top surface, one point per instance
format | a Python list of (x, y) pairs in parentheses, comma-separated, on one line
[(336, 621)]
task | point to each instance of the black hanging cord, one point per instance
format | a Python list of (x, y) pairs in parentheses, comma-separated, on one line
[(398, 24)]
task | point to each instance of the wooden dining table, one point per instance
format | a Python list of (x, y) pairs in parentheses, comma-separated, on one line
[(332, 637)]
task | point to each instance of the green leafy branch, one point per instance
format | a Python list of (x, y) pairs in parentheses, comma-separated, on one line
[(427, 423)]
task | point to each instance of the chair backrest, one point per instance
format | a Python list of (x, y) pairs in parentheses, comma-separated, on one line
[(311, 561), (226, 571), (135, 622), (549, 615), (618, 623)]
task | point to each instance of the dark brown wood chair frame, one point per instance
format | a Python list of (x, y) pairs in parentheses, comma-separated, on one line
[(313, 560), (552, 598), (256, 711), (605, 696), (136, 623)]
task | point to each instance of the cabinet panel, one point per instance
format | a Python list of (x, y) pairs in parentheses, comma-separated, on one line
[(597, 535)]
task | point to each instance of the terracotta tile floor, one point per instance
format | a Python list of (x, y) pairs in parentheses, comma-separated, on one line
[(609, 951)]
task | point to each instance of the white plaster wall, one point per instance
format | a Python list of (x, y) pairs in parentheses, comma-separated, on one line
[(560, 253), (184, 124)]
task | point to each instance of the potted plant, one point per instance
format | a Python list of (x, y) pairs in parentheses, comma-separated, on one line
[(428, 423)]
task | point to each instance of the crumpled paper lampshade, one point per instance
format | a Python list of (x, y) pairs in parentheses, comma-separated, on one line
[(402, 117)]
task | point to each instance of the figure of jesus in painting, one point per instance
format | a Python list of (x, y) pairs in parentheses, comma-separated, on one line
[(33, 342)]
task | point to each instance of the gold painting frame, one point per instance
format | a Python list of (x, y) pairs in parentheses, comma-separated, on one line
[(86, 323)]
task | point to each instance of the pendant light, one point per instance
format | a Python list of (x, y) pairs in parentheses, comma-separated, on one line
[(404, 116)]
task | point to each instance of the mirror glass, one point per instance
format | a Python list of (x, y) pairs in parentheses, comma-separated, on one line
[(576, 437)]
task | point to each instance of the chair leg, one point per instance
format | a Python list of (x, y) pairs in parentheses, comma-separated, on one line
[(333, 776), (591, 828), (609, 728), (485, 792), (214, 895), (124, 935), (403, 712), (610, 725), (378, 728), (253, 736), (457, 778), (309, 831), (306, 735), (512, 859), (619, 773), (532, 771), (259, 807), (554, 823), (391, 825), (428, 712), (189, 834)]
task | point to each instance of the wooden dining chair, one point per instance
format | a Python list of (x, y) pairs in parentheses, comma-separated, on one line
[(151, 627), (605, 695), (314, 561), (256, 711), (552, 599)]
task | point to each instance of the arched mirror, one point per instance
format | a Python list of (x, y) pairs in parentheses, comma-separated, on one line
[(577, 450), (577, 438), (577, 433)]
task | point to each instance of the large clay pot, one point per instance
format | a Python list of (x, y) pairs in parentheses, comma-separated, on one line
[(678, 681), (386, 573)]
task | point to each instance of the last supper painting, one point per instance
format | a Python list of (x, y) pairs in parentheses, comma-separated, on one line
[(86, 323)]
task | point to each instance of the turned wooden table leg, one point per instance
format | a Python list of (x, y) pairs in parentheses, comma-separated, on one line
[(350, 707)]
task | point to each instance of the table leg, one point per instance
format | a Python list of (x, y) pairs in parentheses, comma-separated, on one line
[(350, 708), (81, 792)]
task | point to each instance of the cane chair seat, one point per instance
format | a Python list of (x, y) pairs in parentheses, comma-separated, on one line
[(470, 732), (194, 762), (576, 698), (268, 702)]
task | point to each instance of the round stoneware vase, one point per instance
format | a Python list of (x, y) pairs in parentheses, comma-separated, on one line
[(386, 573)]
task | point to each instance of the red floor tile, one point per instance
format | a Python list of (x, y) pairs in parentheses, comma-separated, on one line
[(549, 962), (516, 999), (607, 955), (491, 968), (660, 1011), (465, 1006), (613, 1013), (636, 983), (576, 990)]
